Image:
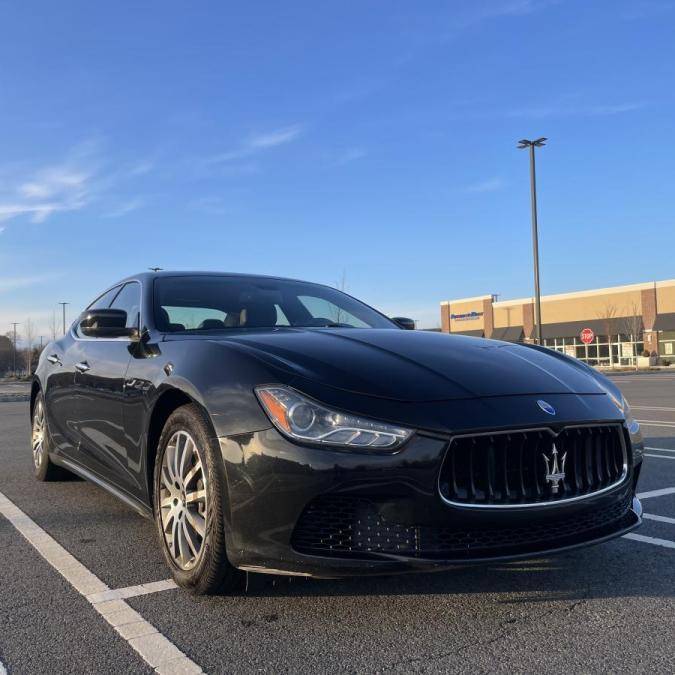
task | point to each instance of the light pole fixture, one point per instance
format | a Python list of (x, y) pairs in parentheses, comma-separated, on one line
[(15, 324), (522, 144), (63, 304)]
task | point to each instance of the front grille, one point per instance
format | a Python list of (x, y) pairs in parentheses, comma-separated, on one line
[(353, 527), (510, 469)]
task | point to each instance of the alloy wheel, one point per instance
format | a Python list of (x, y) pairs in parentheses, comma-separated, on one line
[(182, 500), (38, 434)]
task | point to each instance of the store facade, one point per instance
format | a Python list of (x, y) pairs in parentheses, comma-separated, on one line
[(625, 321)]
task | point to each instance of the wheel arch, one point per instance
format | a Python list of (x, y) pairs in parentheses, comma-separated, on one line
[(167, 402)]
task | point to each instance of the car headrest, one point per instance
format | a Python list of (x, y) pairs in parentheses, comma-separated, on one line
[(210, 324), (259, 315), (165, 322), (164, 319)]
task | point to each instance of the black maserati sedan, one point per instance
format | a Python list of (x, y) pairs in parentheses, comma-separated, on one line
[(278, 426)]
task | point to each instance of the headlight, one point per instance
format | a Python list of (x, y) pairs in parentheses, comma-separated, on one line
[(306, 420), (632, 424), (635, 434)]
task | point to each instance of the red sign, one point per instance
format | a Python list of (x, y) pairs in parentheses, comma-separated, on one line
[(587, 336)]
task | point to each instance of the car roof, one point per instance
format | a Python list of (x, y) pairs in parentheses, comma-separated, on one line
[(147, 276)]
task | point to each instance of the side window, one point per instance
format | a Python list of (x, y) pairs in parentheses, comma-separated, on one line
[(103, 301), (129, 299), (320, 308)]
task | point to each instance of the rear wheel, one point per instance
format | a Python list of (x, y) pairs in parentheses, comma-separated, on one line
[(43, 468), (188, 493)]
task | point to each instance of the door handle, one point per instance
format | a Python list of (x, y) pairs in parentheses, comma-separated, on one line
[(82, 366), (54, 358)]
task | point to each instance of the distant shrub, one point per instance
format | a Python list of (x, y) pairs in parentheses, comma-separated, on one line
[(646, 353)]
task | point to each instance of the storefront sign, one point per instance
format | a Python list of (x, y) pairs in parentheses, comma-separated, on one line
[(468, 316)]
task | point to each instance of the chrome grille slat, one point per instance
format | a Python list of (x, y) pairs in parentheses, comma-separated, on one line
[(508, 469)]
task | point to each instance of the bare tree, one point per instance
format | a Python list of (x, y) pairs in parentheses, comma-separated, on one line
[(608, 318), (54, 326), (341, 285), (632, 326), (29, 338)]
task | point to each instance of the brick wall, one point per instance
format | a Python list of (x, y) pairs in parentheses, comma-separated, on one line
[(528, 320), (488, 318)]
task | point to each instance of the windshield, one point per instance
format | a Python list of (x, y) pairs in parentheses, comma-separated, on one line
[(193, 303)]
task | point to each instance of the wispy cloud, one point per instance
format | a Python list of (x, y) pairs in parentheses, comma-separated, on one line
[(489, 185), (67, 186), (141, 168), (125, 207), (348, 156), (274, 138), (12, 283), (256, 144), (494, 9), (79, 180), (590, 110)]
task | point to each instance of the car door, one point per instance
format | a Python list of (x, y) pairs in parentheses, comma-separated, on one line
[(100, 379), (60, 388)]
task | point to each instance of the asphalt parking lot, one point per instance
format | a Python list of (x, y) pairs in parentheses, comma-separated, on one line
[(606, 608)]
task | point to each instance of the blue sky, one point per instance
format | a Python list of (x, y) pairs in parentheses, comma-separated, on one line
[(312, 140)]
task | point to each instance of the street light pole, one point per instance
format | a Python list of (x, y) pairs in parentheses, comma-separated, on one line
[(63, 304), (538, 143), (14, 368)]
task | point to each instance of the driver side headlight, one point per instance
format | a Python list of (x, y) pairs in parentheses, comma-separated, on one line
[(303, 419)]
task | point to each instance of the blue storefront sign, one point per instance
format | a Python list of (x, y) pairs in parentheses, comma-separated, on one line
[(468, 316)]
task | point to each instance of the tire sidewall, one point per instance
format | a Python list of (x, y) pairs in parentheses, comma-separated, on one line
[(40, 472), (188, 419)]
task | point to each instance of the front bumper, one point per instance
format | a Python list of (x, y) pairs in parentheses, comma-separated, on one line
[(281, 495)]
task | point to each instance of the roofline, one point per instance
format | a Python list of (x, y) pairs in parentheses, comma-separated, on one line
[(573, 294), (477, 297)]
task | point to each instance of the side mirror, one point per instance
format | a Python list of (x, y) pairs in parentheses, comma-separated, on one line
[(403, 322), (106, 323)]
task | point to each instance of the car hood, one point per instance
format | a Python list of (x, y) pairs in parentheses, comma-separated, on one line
[(415, 365)]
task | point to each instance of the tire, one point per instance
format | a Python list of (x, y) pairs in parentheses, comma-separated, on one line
[(189, 489), (41, 444)]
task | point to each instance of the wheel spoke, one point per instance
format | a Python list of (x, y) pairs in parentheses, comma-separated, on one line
[(168, 515), (183, 499), (196, 470), (188, 537), (197, 522), (186, 456), (195, 496)]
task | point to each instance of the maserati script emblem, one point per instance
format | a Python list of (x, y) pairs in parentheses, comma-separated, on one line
[(555, 473)]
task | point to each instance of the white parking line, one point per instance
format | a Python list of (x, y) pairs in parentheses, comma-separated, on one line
[(657, 423), (2, 669), (656, 493), (660, 519), (650, 540), (132, 591), (651, 407), (660, 449), (152, 646), (658, 456)]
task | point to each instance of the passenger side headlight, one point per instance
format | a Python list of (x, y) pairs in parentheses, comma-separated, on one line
[(303, 419), (635, 434)]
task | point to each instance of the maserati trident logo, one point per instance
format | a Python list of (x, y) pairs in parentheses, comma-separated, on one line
[(554, 472), (546, 407)]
